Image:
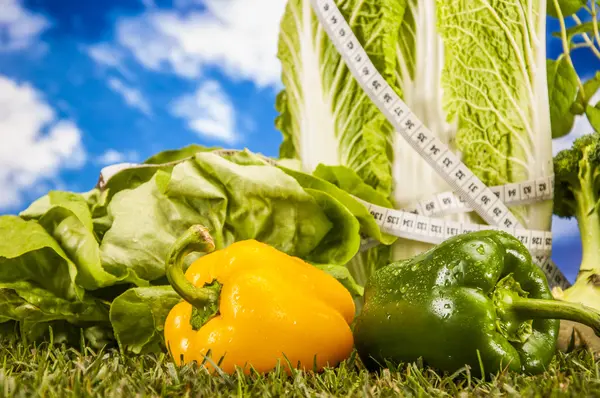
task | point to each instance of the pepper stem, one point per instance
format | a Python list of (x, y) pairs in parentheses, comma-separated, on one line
[(527, 308), (195, 239)]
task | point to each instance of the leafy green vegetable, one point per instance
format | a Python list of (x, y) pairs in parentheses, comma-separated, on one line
[(576, 175), (341, 191), (473, 71), (499, 85), (270, 207), (70, 257), (346, 179), (562, 90), (339, 245), (364, 264), (38, 280), (581, 35), (590, 87), (135, 175), (325, 117), (586, 27), (175, 155), (342, 274), (149, 307), (69, 221), (29, 254), (37, 310)]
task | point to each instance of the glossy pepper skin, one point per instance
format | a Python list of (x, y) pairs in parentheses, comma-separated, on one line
[(471, 297), (269, 305)]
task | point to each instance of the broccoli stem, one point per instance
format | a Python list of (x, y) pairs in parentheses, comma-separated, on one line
[(586, 289), (589, 228), (577, 173), (588, 220)]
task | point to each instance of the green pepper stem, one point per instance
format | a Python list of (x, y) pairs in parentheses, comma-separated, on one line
[(554, 309), (195, 239)]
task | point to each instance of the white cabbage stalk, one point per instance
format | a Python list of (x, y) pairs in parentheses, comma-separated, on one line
[(474, 71), (526, 118)]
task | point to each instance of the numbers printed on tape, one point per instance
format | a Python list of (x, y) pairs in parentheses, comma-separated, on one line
[(470, 193), (408, 225), (435, 149), (388, 97), (406, 123), (449, 202), (422, 228)]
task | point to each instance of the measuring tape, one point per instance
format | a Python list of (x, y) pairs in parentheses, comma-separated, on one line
[(408, 225), (481, 199), (469, 192), (523, 193)]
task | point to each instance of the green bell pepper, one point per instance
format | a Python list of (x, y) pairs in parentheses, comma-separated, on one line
[(476, 299)]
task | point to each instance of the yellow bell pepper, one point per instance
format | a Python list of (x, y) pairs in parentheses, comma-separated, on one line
[(255, 306)]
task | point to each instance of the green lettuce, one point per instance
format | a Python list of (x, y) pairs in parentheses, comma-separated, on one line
[(497, 94), (235, 202), (95, 261), (149, 306)]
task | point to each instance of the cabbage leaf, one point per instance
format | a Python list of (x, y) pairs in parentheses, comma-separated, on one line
[(474, 71)]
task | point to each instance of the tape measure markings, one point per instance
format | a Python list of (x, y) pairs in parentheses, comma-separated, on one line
[(473, 194), (458, 175), (514, 194), (435, 230)]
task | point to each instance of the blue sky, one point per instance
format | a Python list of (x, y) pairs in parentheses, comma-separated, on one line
[(84, 84)]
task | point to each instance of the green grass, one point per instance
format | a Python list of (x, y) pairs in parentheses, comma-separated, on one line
[(48, 370)]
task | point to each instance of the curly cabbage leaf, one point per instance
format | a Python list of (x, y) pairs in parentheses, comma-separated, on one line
[(325, 117), (474, 71)]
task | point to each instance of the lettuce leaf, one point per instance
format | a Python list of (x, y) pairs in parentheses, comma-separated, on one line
[(70, 257), (149, 306), (235, 202)]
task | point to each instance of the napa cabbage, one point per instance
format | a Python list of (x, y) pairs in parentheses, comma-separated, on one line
[(474, 71)]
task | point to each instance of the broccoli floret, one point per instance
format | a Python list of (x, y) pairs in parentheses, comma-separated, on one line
[(566, 165), (577, 194), (575, 178)]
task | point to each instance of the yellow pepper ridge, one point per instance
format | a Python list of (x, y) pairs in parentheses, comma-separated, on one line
[(265, 307)]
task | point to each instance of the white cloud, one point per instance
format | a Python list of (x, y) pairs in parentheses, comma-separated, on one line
[(112, 156), (19, 27), (110, 56), (105, 54), (209, 112), (132, 96), (34, 144), (238, 36)]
